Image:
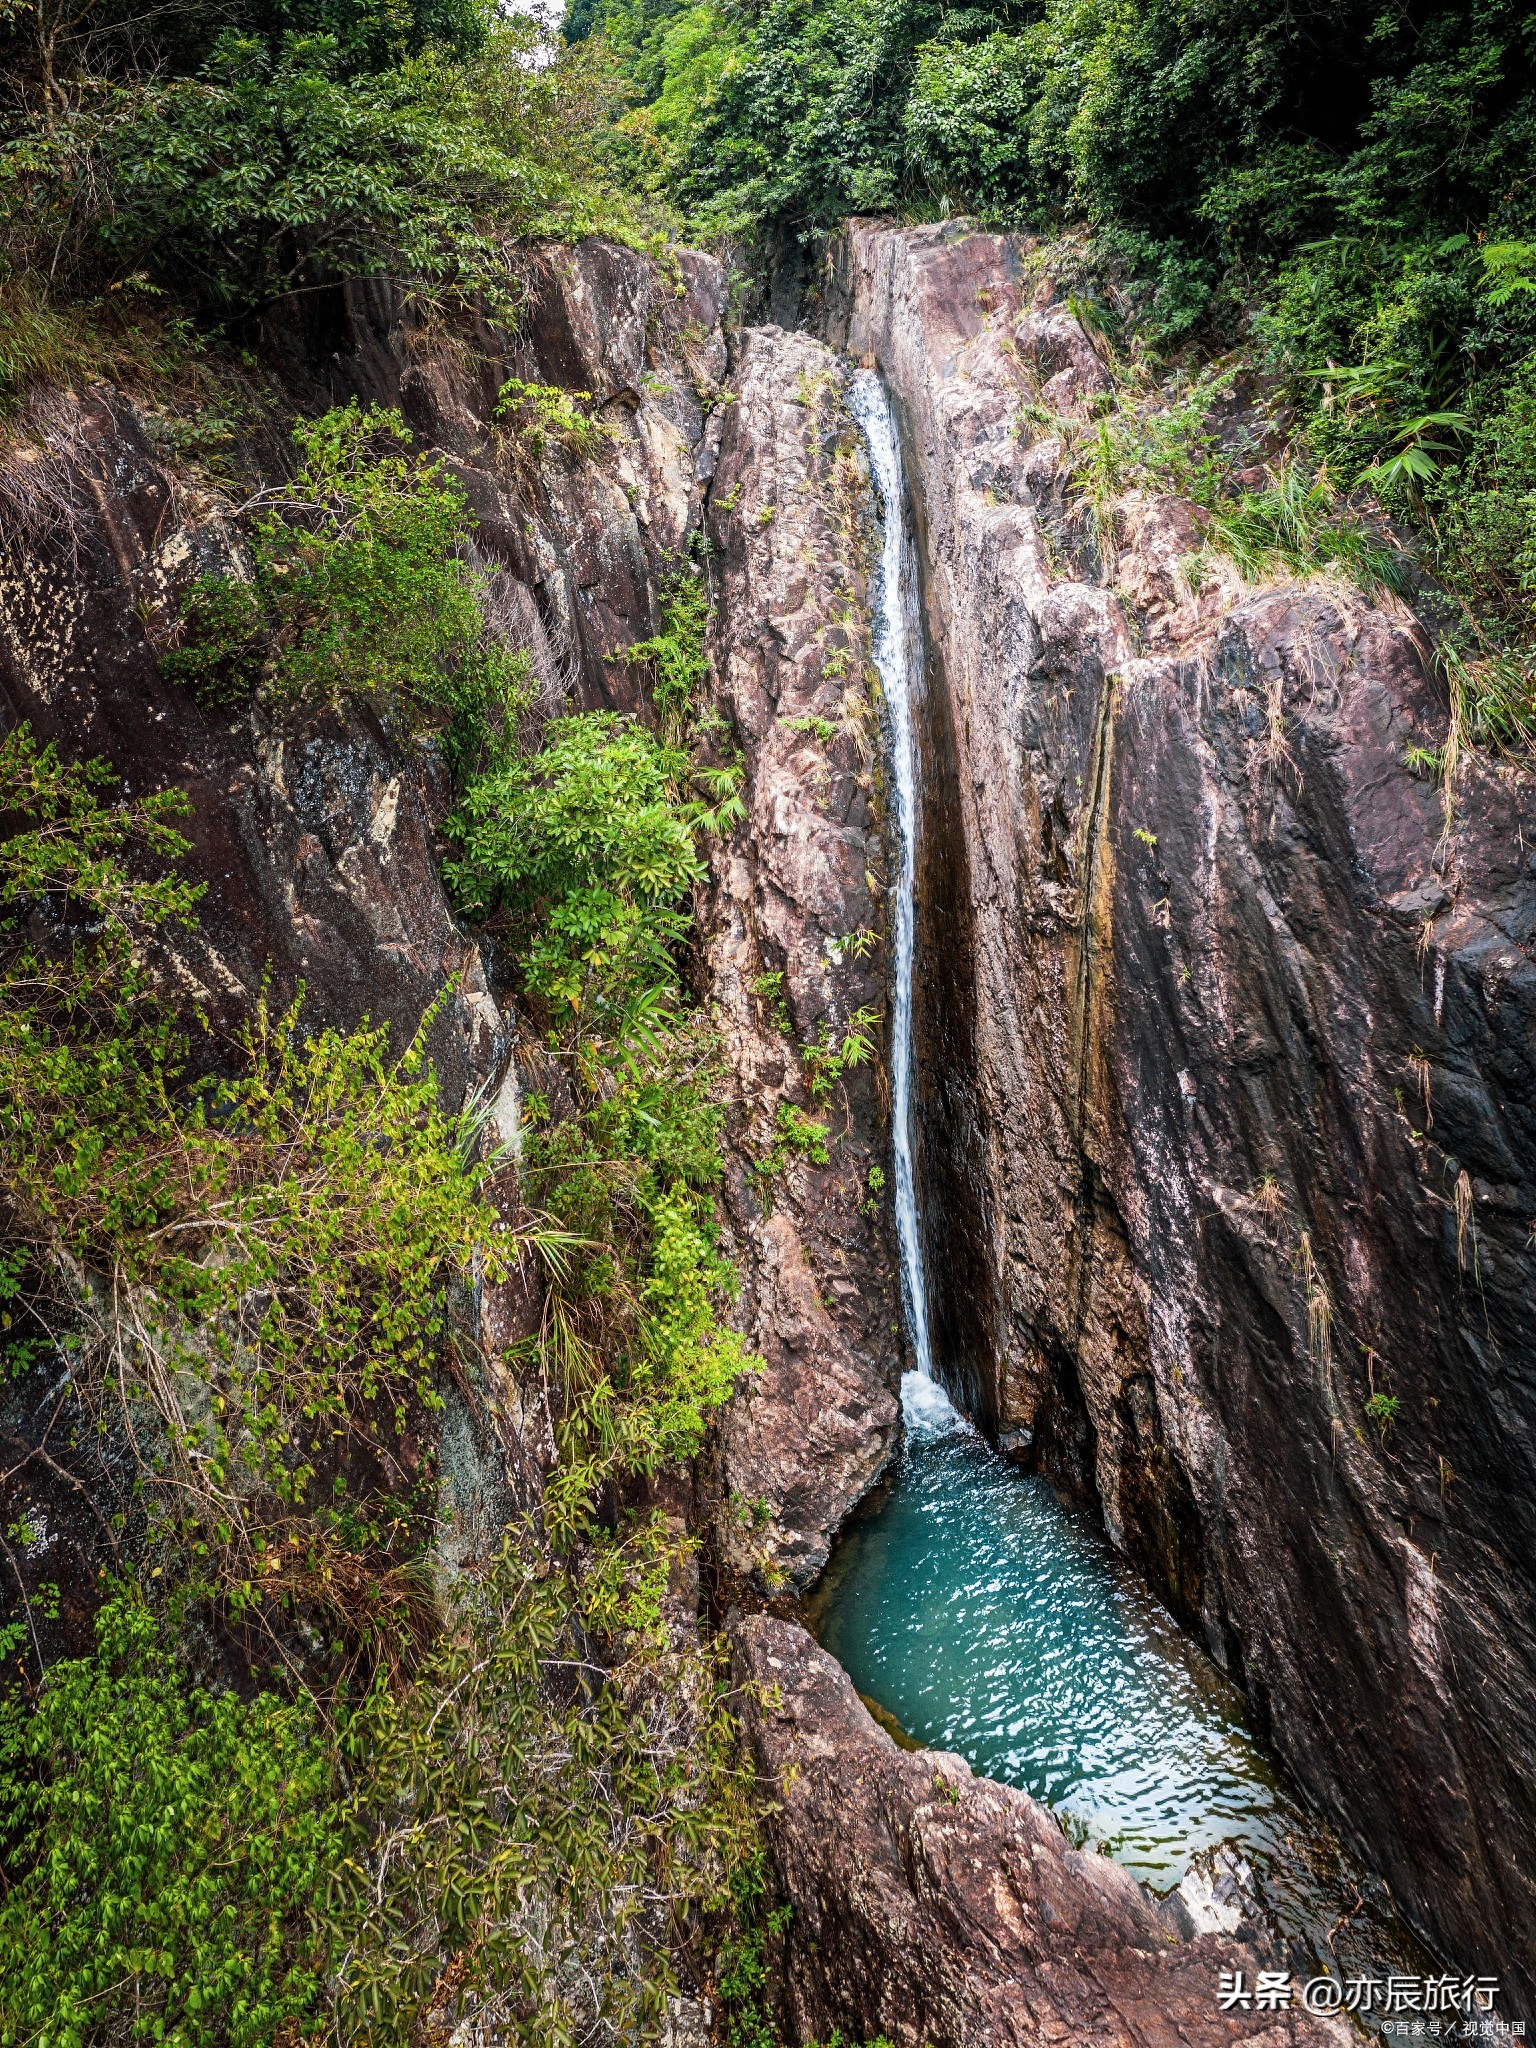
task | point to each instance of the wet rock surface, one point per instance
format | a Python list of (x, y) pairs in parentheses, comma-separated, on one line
[(1249, 1130), (934, 1907)]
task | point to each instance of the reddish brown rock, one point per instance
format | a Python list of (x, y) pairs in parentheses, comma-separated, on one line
[(794, 924)]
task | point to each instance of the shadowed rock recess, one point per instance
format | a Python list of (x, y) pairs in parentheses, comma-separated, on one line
[(1251, 1125), (1226, 1068)]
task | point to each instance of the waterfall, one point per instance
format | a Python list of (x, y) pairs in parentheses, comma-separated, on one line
[(898, 656)]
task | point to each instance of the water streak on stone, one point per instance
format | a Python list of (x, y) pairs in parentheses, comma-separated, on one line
[(898, 655)]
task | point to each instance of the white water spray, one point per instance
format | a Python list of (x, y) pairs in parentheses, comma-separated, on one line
[(898, 660)]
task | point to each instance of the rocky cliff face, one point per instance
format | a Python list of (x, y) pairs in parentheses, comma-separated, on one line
[(1228, 1088), (319, 840), (1227, 1075), (943, 1911), (795, 949)]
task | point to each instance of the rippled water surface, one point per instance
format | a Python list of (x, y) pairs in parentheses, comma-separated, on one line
[(991, 1621)]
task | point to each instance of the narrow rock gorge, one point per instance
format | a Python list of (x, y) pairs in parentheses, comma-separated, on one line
[(1228, 1087), (1226, 1068)]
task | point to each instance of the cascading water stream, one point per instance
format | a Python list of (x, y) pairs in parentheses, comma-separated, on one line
[(972, 1605), (897, 648)]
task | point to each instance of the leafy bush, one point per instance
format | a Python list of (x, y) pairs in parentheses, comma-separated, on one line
[(164, 1850), (253, 161), (1147, 441), (968, 121), (508, 1838), (676, 654), (257, 1267), (531, 1827), (538, 413), (1483, 505), (549, 1795), (586, 849), (361, 589)]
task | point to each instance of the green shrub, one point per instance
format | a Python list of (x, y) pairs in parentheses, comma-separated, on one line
[(529, 1825), (828, 1058), (676, 654), (1383, 1411), (1483, 506), (255, 1268), (968, 122), (361, 589), (538, 413), (165, 1852), (584, 846)]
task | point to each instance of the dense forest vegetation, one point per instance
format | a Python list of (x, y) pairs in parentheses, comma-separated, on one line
[(1335, 202), (1342, 197)]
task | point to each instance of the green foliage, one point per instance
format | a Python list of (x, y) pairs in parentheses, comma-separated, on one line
[(677, 654), (540, 1802), (164, 1853), (221, 641), (1481, 508), (228, 1870), (1144, 439), (822, 729), (1509, 268), (741, 1981), (1383, 1410), (257, 1268), (795, 1136), (66, 850), (361, 589), (770, 989), (795, 1132), (792, 115), (827, 1058), (968, 119), (251, 158), (539, 413), (128, 335), (523, 1827), (1296, 526), (535, 1822), (585, 849)]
